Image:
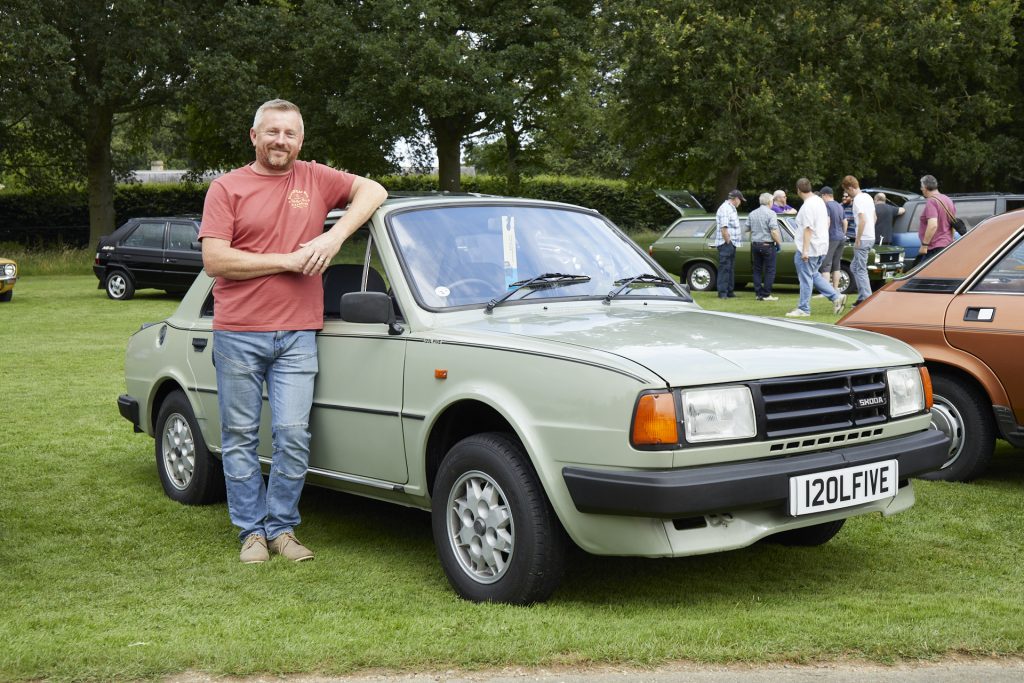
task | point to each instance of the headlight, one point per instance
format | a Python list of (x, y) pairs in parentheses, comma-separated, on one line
[(10, 269), (907, 393), (718, 414)]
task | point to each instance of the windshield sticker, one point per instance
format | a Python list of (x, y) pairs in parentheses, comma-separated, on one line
[(442, 291), (508, 246)]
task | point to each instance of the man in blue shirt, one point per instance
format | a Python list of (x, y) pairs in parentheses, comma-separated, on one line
[(727, 238), (836, 237)]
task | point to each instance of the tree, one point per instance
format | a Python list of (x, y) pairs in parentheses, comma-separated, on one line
[(71, 69)]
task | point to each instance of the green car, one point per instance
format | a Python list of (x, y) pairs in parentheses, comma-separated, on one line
[(686, 249), (530, 377)]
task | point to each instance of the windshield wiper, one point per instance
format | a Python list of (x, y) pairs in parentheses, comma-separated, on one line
[(642, 279), (537, 282)]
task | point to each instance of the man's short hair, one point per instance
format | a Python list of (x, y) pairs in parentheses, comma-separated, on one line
[(880, 198), (803, 186), (280, 105), (779, 194), (850, 183), (929, 183), (765, 199)]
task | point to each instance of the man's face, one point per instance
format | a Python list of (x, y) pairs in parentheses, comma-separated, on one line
[(780, 199), (278, 139)]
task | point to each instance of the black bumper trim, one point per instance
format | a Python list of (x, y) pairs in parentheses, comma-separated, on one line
[(129, 409), (707, 489)]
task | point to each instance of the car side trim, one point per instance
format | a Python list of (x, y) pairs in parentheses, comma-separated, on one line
[(710, 489), (1008, 427)]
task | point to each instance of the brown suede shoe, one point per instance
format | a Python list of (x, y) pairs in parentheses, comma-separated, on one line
[(288, 547), (254, 550)]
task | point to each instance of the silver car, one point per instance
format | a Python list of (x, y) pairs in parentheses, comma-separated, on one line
[(526, 373)]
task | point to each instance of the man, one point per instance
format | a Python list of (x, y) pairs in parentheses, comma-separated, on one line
[(811, 245), (764, 244), (864, 238), (885, 214), (833, 261), (727, 239), (934, 229), (779, 204), (263, 239)]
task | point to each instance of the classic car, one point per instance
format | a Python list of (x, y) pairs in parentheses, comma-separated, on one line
[(162, 253), (525, 372), (963, 310), (973, 207), (8, 276), (686, 249)]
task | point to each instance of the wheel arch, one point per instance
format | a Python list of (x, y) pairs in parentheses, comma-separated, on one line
[(968, 368), (161, 391)]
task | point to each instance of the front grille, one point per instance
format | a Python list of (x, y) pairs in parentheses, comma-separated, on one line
[(822, 403), (888, 257)]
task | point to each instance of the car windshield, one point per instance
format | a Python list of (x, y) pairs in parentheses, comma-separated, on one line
[(468, 255)]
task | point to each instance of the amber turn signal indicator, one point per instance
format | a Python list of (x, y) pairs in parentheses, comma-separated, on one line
[(926, 382), (654, 422), (440, 374)]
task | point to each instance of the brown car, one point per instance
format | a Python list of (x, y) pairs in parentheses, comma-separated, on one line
[(964, 312)]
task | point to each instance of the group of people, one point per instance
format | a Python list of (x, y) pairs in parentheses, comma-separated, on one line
[(823, 227)]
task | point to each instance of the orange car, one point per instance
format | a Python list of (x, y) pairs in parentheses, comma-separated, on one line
[(963, 310)]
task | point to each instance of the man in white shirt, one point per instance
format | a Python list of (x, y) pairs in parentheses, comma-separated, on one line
[(811, 245), (864, 215)]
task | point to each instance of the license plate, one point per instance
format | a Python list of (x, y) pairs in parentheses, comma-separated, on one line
[(821, 491)]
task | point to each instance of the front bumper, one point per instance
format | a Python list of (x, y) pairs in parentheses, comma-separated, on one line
[(680, 493), (129, 409)]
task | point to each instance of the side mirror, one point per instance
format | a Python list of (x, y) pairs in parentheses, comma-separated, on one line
[(369, 308)]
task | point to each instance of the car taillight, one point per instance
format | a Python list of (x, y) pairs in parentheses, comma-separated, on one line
[(654, 420)]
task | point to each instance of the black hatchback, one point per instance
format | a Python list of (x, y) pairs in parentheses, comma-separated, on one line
[(162, 253)]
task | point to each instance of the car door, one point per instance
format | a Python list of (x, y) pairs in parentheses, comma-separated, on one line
[(141, 253), (987, 321), (182, 262), (785, 266)]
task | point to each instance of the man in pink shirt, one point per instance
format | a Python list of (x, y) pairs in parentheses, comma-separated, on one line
[(934, 229), (263, 240)]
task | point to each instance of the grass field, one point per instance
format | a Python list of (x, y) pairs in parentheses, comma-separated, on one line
[(103, 577)]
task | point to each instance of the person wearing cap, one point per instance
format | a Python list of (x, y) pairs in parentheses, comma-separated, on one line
[(727, 239), (764, 243), (836, 236)]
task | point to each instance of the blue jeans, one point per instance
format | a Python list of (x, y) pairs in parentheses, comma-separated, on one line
[(859, 270), (807, 272), (726, 268), (287, 362), (764, 267)]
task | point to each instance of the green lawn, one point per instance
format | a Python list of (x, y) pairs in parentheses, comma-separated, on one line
[(105, 578)]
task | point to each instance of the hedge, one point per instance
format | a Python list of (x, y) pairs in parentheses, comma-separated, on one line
[(40, 218)]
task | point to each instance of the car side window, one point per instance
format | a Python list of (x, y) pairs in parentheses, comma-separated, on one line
[(975, 211), (181, 236), (691, 228), (148, 235), (1006, 276)]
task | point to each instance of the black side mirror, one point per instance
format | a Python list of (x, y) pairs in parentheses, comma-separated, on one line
[(369, 308)]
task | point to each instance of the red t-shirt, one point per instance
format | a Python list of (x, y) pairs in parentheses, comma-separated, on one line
[(943, 236), (272, 214)]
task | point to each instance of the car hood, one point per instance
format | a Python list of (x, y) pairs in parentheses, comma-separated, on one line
[(685, 345)]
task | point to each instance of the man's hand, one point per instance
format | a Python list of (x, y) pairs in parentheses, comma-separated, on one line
[(318, 253)]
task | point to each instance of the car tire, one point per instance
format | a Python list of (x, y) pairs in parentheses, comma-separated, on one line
[(701, 277), (119, 285), (189, 473), (809, 536), (7, 296), (845, 279), (963, 414), (487, 496)]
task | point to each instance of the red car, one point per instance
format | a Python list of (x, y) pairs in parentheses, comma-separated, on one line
[(963, 310)]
